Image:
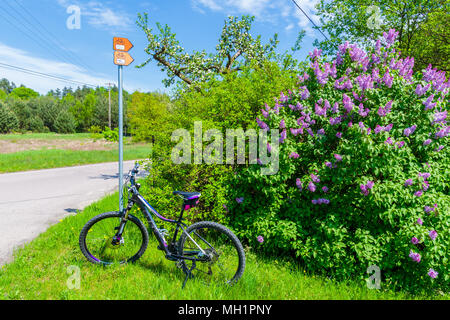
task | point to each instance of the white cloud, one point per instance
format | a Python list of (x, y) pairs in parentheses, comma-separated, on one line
[(100, 15), (274, 11), (26, 60)]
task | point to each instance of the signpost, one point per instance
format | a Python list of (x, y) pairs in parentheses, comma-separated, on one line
[(121, 58)]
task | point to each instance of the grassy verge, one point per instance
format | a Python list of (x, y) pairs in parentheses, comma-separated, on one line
[(55, 158), (40, 271), (44, 136)]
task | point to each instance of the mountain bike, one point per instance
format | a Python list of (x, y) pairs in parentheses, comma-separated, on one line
[(205, 250)]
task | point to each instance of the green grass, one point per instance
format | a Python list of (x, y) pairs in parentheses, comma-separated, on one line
[(40, 271), (56, 158), (45, 158)]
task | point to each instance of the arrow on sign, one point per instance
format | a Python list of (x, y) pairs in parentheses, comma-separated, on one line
[(122, 58), (122, 44)]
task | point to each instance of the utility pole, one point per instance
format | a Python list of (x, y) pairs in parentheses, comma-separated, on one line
[(109, 97)]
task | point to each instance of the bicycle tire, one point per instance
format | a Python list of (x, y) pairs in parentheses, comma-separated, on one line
[(131, 219), (222, 229)]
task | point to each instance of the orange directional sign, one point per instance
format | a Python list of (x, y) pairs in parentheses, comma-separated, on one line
[(122, 58), (122, 44)]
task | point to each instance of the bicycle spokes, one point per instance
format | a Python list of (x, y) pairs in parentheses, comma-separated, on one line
[(217, 257), (107, 247)]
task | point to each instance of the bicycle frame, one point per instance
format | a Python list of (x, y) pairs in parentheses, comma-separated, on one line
[(148, 211)]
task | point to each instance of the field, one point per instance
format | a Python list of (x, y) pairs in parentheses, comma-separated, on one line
[(21, 152)]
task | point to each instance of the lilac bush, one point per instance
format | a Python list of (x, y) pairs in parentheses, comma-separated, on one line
[(364, 170)]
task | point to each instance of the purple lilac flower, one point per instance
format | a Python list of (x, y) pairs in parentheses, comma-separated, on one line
[(420, 91), (388, 79), (264, 113), (269, 147), (424, 175), (283, 136), (296, 131), (294, 155), (305, 93), (329, 164), (414, 240), (433, 234), (339, 135), (260, 239), (382, 112), (439, 148), (427, 142), (262, 124), (400, 144), (389, 141), (315, 178), (414, 256), (439, 117), (408, 182), (325, 189), (428, 209), (321, 132), (282, 124), (425, 185), (408, 131), (338, 157), (348, 104), (419, 221), (418, 193), (311, 187), (433, 274), (442, 133), (428, 103), (239, 200), (298, 182), (388, 127)]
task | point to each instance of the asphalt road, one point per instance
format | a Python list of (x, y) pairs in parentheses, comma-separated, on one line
[(32, 201)]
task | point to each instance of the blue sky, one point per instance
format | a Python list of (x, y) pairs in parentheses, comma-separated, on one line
[(37, 37)]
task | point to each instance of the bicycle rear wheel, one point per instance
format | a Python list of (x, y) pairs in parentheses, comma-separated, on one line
[(100, 245), (222, 258)]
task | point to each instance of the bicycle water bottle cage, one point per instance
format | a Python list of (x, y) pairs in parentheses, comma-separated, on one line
[(191, 199)]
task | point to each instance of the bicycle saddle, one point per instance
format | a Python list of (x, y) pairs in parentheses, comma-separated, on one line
[(188, 195)]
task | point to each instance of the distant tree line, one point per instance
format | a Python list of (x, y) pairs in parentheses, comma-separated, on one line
[(62, 111)]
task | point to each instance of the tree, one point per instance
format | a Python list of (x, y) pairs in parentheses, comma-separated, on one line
[(8, 119), (23, 93), (64, 122), (7, 86), (236, 48), (362, 21)]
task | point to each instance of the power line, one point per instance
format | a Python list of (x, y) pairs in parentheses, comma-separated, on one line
[(52, 37), (34, 32), (310, 19), (44, 75)]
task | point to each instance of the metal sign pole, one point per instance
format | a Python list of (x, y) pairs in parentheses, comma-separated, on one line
[(120, 139)]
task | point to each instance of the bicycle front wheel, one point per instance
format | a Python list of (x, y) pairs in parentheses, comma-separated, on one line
[(100, 244), (218, 253)]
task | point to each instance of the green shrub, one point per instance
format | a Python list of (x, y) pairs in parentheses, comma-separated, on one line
[(111, 135), (64, 122), (35, 124), (363, 175), (8, 119)]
